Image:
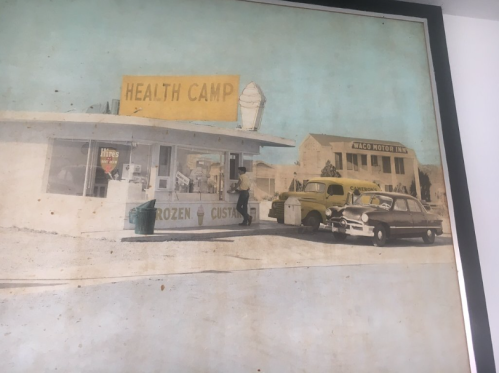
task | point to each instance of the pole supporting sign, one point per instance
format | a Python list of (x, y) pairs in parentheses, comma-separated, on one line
[(205, 98)]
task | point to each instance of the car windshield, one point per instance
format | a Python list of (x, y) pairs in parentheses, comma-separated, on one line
[(375, 200), (315, 187)]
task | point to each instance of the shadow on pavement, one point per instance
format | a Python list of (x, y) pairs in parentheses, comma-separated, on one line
[(219, 235), (11, 285), (325, 236)]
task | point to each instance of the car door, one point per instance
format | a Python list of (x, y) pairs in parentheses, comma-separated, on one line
[(419, 222), (335, 195), (401, 218)]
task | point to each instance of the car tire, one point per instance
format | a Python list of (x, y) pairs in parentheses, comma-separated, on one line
[(379, 238), (280, 220), (313, 220), (429, 236), (340, 237)]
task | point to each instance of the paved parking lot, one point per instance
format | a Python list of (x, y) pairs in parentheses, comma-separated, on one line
[(31, 255), (297, 303)]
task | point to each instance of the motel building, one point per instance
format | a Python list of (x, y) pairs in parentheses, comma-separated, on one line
[(389, 164), (82, 173)]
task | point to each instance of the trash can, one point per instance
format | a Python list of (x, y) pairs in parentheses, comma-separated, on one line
[(144, 217), (292, 211)]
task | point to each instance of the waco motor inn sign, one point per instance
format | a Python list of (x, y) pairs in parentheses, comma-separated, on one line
[(379, 147), (83, 172)]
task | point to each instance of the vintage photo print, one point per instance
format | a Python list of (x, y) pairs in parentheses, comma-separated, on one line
[(222, 186)]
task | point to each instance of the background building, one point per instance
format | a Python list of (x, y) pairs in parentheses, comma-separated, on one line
[(391, 165)]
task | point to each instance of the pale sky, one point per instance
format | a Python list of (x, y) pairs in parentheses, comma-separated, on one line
[(321, 72)]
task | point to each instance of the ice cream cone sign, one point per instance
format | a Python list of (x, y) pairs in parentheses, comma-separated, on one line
[(109, 159), (252, 102)]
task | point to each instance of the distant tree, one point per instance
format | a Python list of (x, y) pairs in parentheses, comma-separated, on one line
[(329, 170), (424, 181)]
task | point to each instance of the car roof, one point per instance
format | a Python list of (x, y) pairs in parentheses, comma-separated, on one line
[(340, 180), (392, 195)]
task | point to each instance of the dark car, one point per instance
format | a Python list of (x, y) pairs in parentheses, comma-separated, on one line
[(383, 215)]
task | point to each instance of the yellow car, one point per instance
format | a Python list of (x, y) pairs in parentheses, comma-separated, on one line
[(321, 193)]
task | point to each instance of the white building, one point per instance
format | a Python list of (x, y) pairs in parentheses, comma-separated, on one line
[(74, 173)]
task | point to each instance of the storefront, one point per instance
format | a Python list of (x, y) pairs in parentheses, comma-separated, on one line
[(74, 173)]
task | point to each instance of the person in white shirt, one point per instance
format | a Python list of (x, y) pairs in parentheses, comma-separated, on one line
[(243, 186)]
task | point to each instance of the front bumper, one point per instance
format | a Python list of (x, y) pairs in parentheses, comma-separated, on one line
[(352, 228), (273, 214)]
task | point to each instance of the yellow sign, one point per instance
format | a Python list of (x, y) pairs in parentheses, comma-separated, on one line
[(209, 98)]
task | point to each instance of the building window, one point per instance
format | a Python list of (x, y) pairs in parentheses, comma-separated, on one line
[(233, 165), (399, 166), (352, 162), (387, 166), (388, 188), (374, 160), (248, 163), (338, 161), (165, 155), (140, 164), (363, 161), (267, 185), (164, 166), (84, 168), (68, 167), (200, 172)]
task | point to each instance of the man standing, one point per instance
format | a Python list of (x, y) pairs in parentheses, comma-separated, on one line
[(243, 186)]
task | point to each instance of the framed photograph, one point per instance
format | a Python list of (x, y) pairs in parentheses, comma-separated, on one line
[(234, 185)]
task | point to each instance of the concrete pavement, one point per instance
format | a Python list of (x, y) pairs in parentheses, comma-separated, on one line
[(316, 319), (297, 303), (31, 255)]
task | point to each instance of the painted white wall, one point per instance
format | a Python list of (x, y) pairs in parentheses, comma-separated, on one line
[(473, 46)]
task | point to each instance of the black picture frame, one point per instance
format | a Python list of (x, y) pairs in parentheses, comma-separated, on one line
[(465, 232)]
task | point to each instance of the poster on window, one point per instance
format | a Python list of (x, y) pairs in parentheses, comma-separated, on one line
[(226, 186), (109, 159)]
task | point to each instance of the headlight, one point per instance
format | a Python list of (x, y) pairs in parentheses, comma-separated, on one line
[(274, 205), (329, 213), (365, 218)]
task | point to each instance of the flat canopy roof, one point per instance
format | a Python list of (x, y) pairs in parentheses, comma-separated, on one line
[(86, 118)]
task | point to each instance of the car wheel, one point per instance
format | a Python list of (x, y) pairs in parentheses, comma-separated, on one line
[(429, 236), (280, 220), (313, 220), (379, 238), (339, 236)]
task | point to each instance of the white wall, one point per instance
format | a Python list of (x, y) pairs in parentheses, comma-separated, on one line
[(473, 46)]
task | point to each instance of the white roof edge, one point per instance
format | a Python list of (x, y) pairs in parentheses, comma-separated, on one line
[(24, 116)]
